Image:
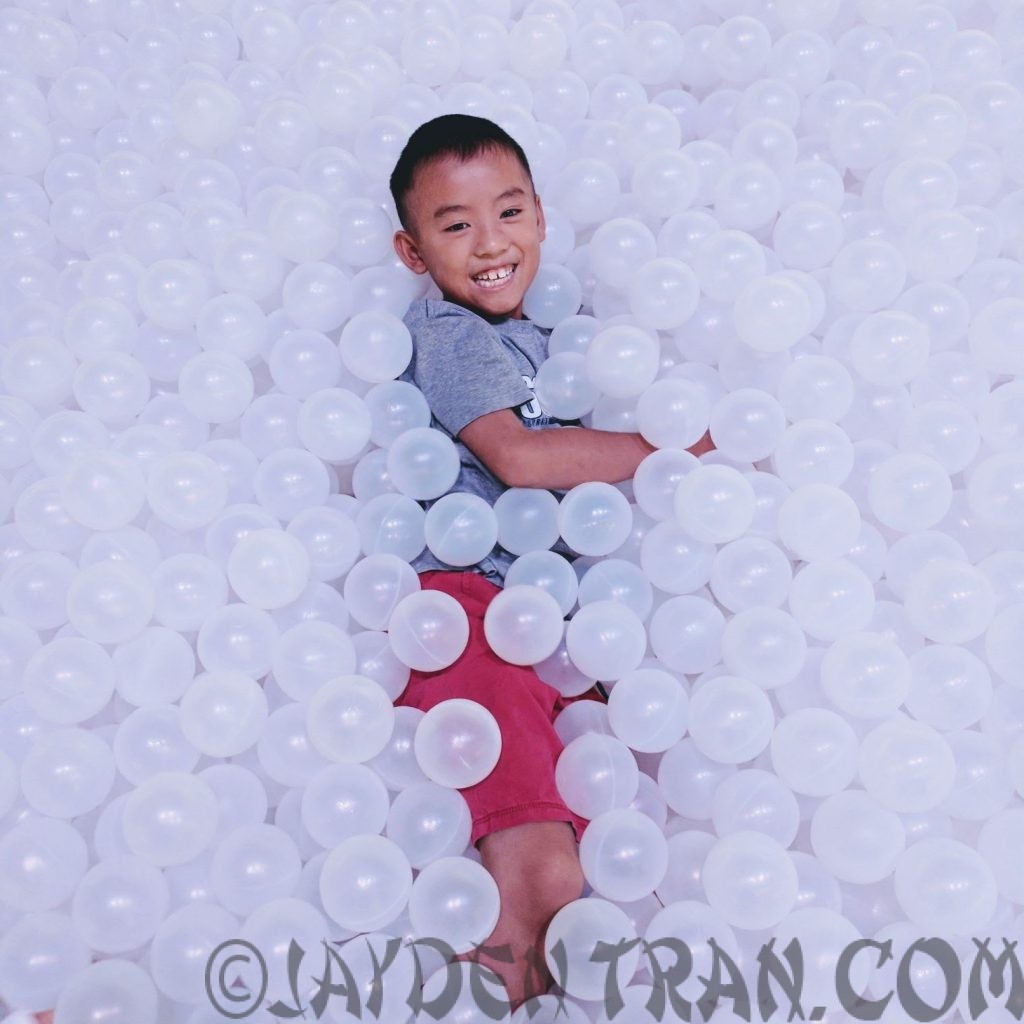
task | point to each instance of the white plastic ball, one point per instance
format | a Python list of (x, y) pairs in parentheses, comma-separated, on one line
[(523, 624), (458, 743)]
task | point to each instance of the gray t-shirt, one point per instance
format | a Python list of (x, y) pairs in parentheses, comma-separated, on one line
[(467, 367)]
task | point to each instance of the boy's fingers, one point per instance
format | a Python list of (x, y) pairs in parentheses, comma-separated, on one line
[(45, 1017)]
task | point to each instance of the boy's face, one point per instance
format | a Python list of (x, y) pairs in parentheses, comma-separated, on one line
[(476, 228)]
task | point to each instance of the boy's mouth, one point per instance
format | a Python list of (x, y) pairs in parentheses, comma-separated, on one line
[(496, 278)]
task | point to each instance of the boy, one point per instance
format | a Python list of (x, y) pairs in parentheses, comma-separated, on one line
[(472, 220)]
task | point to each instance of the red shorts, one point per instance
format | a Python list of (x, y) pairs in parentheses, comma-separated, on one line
[(521, 788)]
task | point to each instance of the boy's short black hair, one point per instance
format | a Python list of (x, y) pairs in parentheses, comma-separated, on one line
[(462, 136)]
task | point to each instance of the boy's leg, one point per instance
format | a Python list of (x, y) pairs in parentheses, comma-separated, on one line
[(537, 869), (526, 836)]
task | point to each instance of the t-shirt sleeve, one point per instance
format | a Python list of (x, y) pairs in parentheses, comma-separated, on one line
[(464, 371)]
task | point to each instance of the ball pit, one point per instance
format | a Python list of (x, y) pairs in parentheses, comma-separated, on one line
[(797, 223)]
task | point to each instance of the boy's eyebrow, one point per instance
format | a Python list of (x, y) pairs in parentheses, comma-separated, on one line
[(509, 193)]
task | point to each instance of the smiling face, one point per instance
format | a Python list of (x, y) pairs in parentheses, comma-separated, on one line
[(476, 227)]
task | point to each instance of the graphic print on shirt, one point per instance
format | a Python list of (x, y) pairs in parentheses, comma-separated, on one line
[(530, 410)]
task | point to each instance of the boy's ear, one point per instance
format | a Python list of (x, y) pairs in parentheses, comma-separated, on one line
[(409, 252), (540, 218)]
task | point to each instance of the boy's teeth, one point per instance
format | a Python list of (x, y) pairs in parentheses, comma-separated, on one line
[(495, 275)]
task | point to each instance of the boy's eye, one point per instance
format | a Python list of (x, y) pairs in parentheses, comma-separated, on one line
[(512, 211), (455, 227)]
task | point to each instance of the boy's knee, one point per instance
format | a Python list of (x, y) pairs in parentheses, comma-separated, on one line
[(558, 880)]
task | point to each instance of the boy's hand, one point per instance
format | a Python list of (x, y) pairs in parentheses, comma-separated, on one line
[(704, 445)]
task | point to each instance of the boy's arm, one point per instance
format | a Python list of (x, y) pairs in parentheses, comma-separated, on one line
[(556, 459)]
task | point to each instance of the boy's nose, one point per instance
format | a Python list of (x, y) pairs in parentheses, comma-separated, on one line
[(490, 242)]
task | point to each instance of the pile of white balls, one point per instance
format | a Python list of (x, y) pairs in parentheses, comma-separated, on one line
[(799, 223)]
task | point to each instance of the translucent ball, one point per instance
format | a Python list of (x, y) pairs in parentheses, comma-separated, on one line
[(555, 294), (997, 841), (527, 519), (813, 451), (170, 818), (223, 713), (428, 630), (268, 568), (747, 194), (906, 765), (831, 597), (663, 293), (993, 490), (686, 634), (807, 235), (819, 521), (950, 688), (747, 424), (665, 182), (523, 624), (428, 822), (814, 751), (648, 710), (458, 743), (563, 387), (342, 801), (316, 296), (455, 900), (749, 572), (585, 189), (731, 719), (865, 675), (739, 48), (673, 413), (350, 719), (206, 113), (714, 504), (44, 859), (110, 603), (605, 640), (460, 528), (617, 579), (656, 479), (624, 855), (750, 880), (622, 360), (365, 882), (423, 463), (392, 524), (172, 292), (764, 645), (756, 800), (571, 941), (727, 261), (1002, 643), (548, 572), (116, 988), (594, 518), (945, 886), (375, 346), (119, 904), (186, 490), (949, 602), (216, 386), (334, 424), (395, 406), (867, 274), (889, 347), (595, 774), (301, 228)]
